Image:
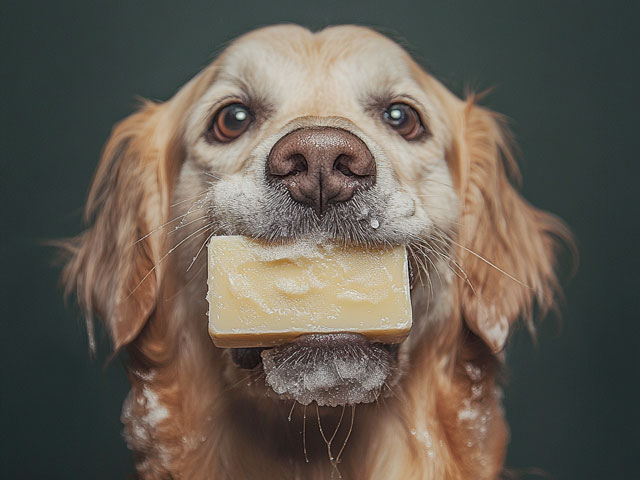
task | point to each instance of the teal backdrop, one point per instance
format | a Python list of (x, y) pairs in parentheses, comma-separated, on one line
[(565, 73)]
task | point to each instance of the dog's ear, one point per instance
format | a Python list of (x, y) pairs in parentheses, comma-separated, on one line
[(506, 247), (113, 266)]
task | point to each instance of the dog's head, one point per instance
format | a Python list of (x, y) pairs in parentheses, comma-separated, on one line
[(337, 135)]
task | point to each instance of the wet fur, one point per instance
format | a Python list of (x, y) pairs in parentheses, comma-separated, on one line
[(190, 413)]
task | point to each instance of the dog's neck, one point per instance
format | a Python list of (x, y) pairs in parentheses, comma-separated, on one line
[(443, 418)]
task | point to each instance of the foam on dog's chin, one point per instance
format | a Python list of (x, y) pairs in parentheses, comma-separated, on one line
[(330, 376)]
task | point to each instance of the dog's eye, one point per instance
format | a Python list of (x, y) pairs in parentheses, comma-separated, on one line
[(404, 120), (230, 122)]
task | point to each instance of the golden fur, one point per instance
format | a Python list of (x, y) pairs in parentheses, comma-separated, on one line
[(188, 414)]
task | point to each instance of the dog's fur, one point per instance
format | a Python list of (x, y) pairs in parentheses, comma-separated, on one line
[(481, 256)]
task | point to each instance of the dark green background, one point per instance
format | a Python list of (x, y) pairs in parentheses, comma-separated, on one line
[(565, 73)]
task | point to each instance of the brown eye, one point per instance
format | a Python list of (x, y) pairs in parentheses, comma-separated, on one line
[(230, 122), (404, 120)]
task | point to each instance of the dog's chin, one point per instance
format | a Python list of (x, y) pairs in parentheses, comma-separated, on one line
[(329, 369)]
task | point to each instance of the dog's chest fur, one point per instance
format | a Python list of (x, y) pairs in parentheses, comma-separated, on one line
[(184, 425)]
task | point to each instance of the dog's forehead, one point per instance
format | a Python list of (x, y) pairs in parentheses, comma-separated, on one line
[(278, 61)]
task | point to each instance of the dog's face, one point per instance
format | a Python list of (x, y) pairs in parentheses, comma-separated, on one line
[(344, 93), (329, 136), (332, 136)]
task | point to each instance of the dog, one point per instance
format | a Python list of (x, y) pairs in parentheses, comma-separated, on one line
[(291, 135)]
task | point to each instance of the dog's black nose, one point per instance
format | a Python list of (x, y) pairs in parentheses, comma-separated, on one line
[(321, 165)]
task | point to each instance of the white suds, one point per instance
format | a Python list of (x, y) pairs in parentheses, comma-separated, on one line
[(467, 413), (135, 433), (155, 411), (474, 372), (139, 430), (146, 376), (470, 411), (475, 413), (424, 438)]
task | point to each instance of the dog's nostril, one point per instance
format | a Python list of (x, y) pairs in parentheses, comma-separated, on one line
[(288, 166), (299, 164), (292, 166), (341, 164)]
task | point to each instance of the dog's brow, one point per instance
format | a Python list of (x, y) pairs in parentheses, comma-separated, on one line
[(233, 79), (249, 92), (382, 98)]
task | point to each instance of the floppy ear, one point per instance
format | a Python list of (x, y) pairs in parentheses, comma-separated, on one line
[(111, 265), (115, 267), (506, 246)]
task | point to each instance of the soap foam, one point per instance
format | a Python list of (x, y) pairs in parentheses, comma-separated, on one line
[(340, 375)]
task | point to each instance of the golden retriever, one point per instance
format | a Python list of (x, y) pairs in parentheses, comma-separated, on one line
[(409, 164)]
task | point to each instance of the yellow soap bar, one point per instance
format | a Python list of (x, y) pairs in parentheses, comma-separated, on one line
[(263, 294)]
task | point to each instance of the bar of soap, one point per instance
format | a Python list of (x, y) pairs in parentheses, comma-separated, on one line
[(262, 295)]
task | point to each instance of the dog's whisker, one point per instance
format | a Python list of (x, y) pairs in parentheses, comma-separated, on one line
[(193, 261), (417, 279), (187, 283), (304, 434), (190, 222), (435, 269), (293, 405), (252, 376), (421, 264), (180, 202), (480, 257), (451, 262), (457, 271), (460, 272), (182, 217), (424, 260), (391, 390), (327, 442), (160, 227), (209, 174), (344, 444), (191, 235), (339, 423), (508, 275), (249, 379)]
